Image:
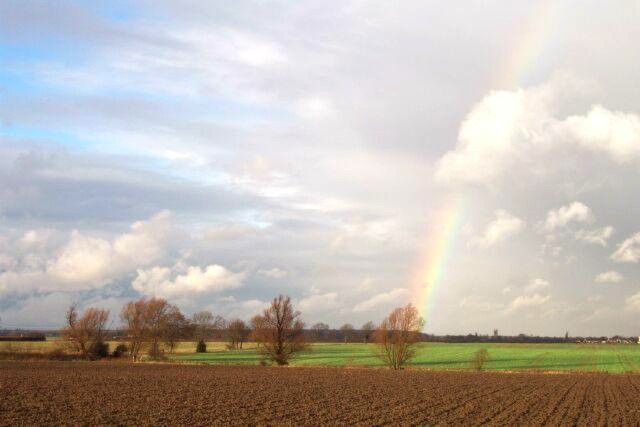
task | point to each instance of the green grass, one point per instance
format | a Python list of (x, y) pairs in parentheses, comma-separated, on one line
[(503, 357)]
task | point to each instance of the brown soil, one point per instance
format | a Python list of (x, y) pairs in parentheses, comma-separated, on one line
[(126, 394)]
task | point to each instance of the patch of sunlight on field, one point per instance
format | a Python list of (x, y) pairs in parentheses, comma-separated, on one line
[(30, 346), (503, 357)]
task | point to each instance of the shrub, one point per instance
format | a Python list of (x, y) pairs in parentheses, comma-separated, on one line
[(120, 350), (201, 347), (480, 357), (99, 350)]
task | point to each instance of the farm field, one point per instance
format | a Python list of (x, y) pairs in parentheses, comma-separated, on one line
[(506, 357), (123, 393), (611, 358)]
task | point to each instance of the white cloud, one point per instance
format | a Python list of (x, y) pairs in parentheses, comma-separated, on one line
[(537, 285), (528, 301), (258, 53), (147, 240), (492, 135), (85, 261), (274, 273), (628, 251), (573, 212), (633, 302), (612, 132), (36, 238), (395, 297), (510, 128), (501, 228), (159, 281), (599, 236), (609, 277), (319, 303), (314, 108)]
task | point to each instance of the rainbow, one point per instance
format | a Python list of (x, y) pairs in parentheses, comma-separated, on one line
[(529, 44), (443, 234), (526, 55)]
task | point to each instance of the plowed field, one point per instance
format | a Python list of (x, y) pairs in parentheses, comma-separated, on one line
[(112, 393)]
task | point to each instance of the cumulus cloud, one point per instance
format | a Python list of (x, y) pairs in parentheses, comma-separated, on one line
[(319, 303), (573, 212), (395, 297), (509, 128), (609, 277), (273, 273), (628, 250), (496, 131), (537, 285), (164, 282), (599, 236), (146, 241), (88, 262), (633, 302), (528, 301), (611, 132), (84, 261), (500, 229)]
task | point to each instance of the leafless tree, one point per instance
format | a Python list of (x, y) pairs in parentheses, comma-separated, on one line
[(86, 334), (279, 330), (147, 321), (367, 331), (347, 331), (206, 325), (134, 322), (397, 335), (203, 323), (176, 328), (138, 319), (157, 316), (237, 332), (320, 330)]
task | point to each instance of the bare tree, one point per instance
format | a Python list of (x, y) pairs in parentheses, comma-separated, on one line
[(134, 322), (367, 331), (146, 320), (176, 327), (203, 324), (279, 330), (237, 333), (397, 335), (320, 330), (347, 331), (86, 334), (157, 316), (206, 325)]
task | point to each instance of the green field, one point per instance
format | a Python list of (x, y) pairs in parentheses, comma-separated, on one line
[(544, 357), (506, 357)]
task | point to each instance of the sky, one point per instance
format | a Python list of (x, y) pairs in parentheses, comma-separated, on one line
[(479, 159)]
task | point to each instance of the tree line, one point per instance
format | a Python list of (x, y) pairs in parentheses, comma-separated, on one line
[(152, 326)]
